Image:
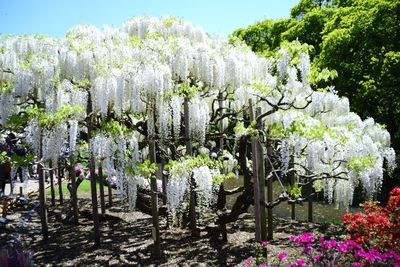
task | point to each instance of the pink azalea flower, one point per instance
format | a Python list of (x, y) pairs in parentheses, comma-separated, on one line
[(282, 256)]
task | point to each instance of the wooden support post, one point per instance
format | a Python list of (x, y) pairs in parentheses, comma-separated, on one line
[(42, 199), (154, 194), (156, 225), (164, 180), (74, 191), (310, 201), (192, 208), (187, 127), (221, 201), (221, 122), (261, 175), (270, 198), (92, 170), (101, 184), (93, 189), (21, 193), (110, 200), (256, 181), (53, 193), (292, 178), (60, 177), (189, 151)]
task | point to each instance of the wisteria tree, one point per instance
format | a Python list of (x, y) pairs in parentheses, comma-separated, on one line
[(163, 91)]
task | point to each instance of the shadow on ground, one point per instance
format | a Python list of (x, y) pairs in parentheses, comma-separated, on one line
[(126, 239)]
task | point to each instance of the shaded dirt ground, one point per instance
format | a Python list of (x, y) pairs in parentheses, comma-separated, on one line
[(126, 239)]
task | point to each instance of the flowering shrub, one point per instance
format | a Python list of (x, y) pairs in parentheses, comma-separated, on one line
[(327, 252), (378, 227)]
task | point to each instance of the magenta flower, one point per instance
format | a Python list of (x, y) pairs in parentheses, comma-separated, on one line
[(248, 262), (360, 254), (343, 247), (330, 243), (282, 256), (304, 238), (374, 255), (391, 255), (300, 263), (316, 258), (264, 243), (307, 248)]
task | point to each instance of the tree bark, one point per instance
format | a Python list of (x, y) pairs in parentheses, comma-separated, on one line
[(245, 199)]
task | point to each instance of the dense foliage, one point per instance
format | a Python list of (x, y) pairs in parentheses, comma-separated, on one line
[(377, 227), (358, 39)]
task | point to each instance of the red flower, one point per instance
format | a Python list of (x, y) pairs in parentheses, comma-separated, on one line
[(378, 226)]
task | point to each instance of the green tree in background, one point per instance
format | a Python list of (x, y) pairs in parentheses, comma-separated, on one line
[(360, 39)]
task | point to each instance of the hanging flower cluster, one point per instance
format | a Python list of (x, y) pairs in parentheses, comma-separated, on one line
[(197, 172), (117, 150)]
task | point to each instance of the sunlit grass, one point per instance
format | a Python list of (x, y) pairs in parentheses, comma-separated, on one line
[(83, 188)]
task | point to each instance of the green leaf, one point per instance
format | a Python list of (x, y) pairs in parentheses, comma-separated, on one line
[(6, 87), (295, 190), (359, 164), (147, 169)]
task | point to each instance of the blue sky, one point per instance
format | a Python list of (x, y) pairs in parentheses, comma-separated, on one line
[(54, 18)]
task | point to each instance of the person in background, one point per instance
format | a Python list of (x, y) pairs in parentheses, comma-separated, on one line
[(5, 167), (80, 176), (19, 150)]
